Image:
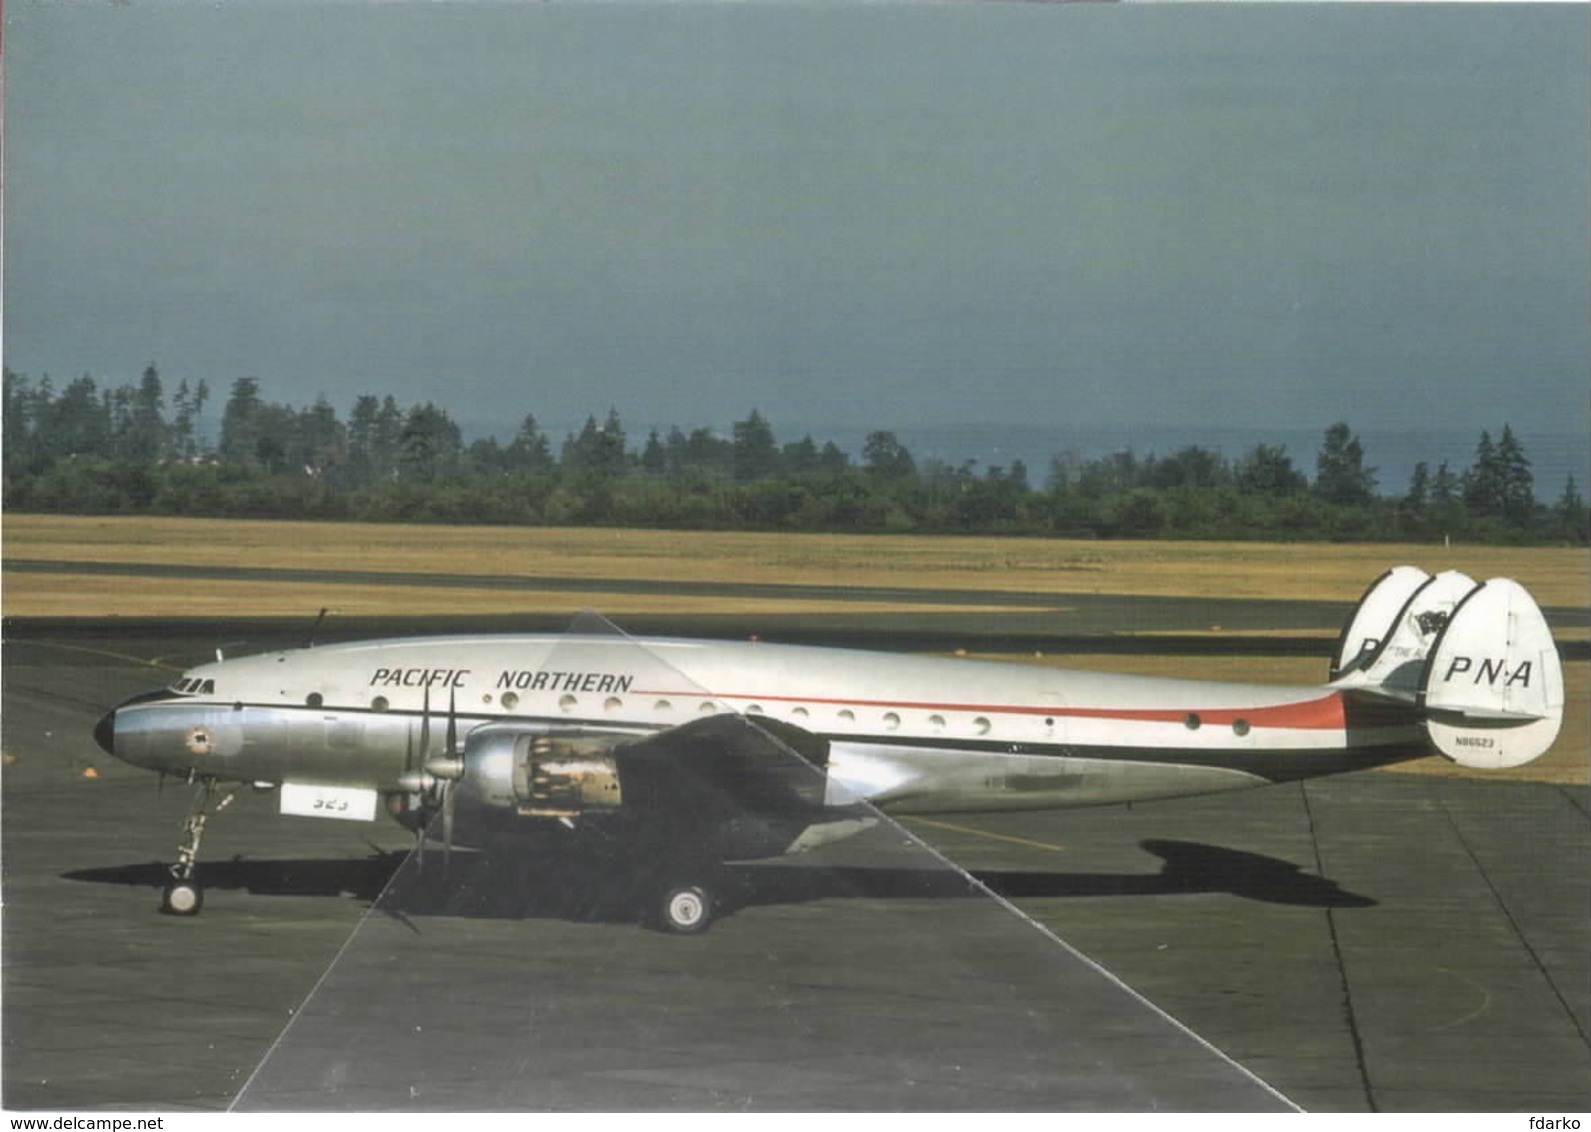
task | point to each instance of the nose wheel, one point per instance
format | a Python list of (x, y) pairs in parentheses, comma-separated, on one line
[(182, 895), (181, 898)]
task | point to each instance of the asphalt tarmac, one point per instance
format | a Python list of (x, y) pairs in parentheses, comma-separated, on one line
[(1371, 942)]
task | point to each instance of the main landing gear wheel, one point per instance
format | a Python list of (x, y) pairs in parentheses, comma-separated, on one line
[(685, 909), (181, 898)]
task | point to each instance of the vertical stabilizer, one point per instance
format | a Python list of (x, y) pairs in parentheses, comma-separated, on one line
[(1374, 618), (1492, 686)]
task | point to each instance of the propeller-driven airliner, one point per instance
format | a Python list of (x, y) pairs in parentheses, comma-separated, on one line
[(692, 754)]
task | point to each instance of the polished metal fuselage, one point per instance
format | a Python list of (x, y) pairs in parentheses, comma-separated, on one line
[(908, 733)]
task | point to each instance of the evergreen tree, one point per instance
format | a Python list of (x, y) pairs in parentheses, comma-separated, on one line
[(654, 459), (485, 457), (241, 422), (187, 405), (1483, 482), (1340, 474), (1065, 466), (147, 438), (833, 458), (1570, 513), (16, 417), (701, 451), (530, 450), (429, 445), (800, 457), (598, 450), (1517, 488), (319, 439), (1444, 486), (182, 422), (362, 437), (1191, 467), (756, 453), (1268, 470), (387, 437), (75, 424), (197, 400), (884, 456), (1418, 497)]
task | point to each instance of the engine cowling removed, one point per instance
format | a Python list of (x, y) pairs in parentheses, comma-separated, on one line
[(558, 777)]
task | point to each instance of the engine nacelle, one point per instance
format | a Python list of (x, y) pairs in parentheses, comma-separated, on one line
[(536, 775)]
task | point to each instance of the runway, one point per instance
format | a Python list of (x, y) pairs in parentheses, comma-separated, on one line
[(1373, 942)]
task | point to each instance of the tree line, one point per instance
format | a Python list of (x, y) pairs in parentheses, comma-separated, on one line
[(135, 450)]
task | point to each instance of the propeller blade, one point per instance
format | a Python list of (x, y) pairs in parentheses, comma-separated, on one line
[(425, 726), (421, 834), (448, 795)]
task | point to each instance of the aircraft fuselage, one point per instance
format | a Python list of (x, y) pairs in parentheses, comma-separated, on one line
[(907, 733)]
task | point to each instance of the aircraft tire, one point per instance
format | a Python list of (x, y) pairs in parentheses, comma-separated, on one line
[(685, 909), (181, 898)]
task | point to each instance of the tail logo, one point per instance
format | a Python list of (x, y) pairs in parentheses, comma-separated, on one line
[(1432, 621), (1490, 671)]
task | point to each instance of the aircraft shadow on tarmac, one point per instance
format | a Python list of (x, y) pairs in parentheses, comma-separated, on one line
[(527, 886)]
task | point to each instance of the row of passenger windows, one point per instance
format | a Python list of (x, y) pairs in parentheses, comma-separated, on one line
[(568, 703)]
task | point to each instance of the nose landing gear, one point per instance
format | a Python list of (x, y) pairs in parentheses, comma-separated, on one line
[(182, 895)]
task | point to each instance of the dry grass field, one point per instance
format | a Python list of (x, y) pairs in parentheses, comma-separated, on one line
[(1557, 577)]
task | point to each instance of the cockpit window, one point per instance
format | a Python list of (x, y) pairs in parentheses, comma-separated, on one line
[(190, 687)]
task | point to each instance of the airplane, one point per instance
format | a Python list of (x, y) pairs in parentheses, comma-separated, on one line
[(690, 755)]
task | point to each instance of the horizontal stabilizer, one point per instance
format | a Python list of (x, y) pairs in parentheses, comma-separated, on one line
[(1492, 685)]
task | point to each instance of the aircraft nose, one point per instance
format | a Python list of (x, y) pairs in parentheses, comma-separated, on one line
[(105, 732)]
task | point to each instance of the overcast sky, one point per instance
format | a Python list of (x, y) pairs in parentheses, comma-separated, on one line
[(893, 215)]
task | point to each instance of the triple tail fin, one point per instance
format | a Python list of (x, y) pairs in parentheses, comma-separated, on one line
[(1479, 660)]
